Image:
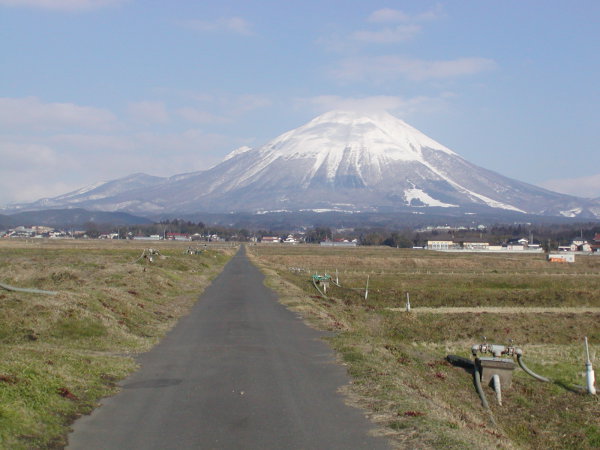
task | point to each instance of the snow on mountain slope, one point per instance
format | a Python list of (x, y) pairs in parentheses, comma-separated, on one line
[(340, 142), (366, 162)]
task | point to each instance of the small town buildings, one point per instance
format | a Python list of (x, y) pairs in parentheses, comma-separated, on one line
[(514, 245), (476, 245), (339, 243), (270, 240), (596, 244), (517, 244), (178, 237), (39, 231), (291, 240), (440, 245), (580, 245), (152, 237), (109, 236)]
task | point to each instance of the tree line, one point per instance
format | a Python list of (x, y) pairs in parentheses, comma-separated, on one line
[(549, 236)]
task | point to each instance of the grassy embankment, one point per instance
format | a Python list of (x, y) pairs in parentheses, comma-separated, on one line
[(60, 354), (397, 359)]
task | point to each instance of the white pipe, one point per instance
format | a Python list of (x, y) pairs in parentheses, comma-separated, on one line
[(407, 302), (589, 371), (367, 288), (590, 378), (497, 388)]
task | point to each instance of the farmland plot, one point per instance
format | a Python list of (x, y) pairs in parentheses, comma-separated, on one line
[(398, 359)]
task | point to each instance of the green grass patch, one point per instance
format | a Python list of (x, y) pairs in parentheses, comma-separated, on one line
[(60, 354)]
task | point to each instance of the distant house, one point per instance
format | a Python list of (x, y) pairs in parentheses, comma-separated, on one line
[(270, 240), (109, 236), (473, 245), (517, 244), (39, 229), (440, 245), (580, 245), (291, 240), (152, 237), (178, 237), (339, 243), (596, 244)]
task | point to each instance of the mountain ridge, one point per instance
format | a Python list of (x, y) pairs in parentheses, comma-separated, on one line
[(341, 160), (69, 217)]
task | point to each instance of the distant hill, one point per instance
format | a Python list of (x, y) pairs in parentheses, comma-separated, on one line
[(5, 222), (69, 218)]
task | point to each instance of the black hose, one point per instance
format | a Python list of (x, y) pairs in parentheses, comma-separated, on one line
[(531, 372), (477, 376), (484, 401), (31, 291), (460, 361)]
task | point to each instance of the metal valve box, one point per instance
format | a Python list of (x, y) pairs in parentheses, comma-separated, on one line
[(503, 367)]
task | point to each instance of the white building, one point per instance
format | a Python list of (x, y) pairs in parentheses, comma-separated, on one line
[(270, 240), (440, 245), (290, 240)]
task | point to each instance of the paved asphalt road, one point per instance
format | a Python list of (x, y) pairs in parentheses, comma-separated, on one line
[(239, 372)]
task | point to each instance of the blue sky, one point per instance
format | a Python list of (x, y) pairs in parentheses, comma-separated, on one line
[(92, 90)]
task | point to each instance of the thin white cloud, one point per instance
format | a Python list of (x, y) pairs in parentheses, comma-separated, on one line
[(236, 25), (223, 108), (396, 34), (25, 170), (397, 105), (33, 167), (62, 5), (384, 68), (86, 143), (27, 186), (148, 112), (197, 115), (434, 13), (388, 15), (16, 156), (387, 26), (588, 186), (47, 149), (248, 102), (33, 114)]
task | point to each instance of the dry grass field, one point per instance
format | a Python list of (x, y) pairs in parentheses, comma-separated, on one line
[(397, 358), (59, 354)]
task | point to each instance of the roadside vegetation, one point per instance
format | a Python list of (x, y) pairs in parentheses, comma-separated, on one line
[(60, 354), (397, 359)]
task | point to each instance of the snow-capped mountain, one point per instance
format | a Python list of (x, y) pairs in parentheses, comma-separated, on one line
[(341, 160)]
